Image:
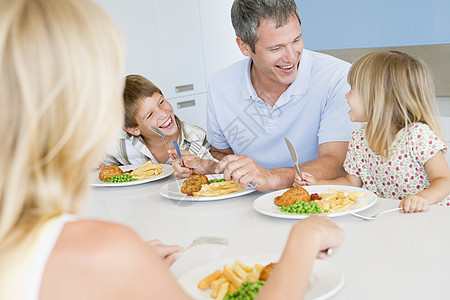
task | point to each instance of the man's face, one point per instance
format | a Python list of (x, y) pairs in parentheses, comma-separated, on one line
[(278, 51)]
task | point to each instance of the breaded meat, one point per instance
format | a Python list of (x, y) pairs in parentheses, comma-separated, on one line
[(194, 184), (266, 271), (293, 195), (109, 171)]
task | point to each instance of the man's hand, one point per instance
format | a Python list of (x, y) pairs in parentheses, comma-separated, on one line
[(168, 253), (243, 170)]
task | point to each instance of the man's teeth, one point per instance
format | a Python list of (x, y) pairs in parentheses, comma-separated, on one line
[(286, 67)]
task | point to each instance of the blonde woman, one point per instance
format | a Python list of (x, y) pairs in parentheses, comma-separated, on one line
[(60, 93), (400, 153)]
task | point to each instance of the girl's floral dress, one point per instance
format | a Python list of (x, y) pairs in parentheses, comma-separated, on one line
[(404, 173)]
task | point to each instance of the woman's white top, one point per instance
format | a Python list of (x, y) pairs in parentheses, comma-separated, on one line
[(23, 275)]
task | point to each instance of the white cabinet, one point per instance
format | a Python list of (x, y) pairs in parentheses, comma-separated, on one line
[(191, 109), (178, 45)]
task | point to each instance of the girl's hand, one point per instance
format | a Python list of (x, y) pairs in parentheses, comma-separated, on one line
[(168, 253), (414, 203), (307, 179)]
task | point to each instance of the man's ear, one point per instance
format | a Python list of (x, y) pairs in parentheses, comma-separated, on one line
[(133, 131), (244, 47)]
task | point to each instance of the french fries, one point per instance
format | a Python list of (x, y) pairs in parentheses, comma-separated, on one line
[(230, 278), (218, 188), (146, 170), (334, 200)]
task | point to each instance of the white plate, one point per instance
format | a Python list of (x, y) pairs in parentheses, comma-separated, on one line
[(172, 190), (325, 279), (265, 204), (95, 181)]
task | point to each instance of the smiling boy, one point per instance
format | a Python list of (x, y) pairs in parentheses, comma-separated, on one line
[(145, 106)]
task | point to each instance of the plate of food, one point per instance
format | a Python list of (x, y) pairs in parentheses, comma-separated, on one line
[(214, 280), (203, 188), (301, 202), (116, 176)]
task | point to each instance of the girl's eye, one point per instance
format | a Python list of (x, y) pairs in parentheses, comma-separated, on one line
[(162, 102)]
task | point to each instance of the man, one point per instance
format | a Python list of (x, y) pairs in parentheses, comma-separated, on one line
[(281, 90)]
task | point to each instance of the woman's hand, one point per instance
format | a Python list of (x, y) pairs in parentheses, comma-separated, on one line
[(168, 253), (325, 232)]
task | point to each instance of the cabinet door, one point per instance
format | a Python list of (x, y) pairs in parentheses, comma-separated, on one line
[(191, 109), (219, 39), (179, 50), (135, 22)]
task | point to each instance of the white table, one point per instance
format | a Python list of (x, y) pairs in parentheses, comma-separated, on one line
[(397, 256)]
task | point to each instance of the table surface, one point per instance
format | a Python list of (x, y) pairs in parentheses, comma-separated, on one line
[(396, 256)]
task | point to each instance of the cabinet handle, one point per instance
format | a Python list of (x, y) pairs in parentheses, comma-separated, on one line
[(185, 104), (184, 88)]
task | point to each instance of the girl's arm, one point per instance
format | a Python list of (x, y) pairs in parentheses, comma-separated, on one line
[(308, 179), (439, 175)]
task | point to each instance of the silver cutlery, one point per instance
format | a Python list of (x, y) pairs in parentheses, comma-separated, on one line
[(204, 153), (375, 215), (177, 148), (203, 240), (294, 156), (156, 130)]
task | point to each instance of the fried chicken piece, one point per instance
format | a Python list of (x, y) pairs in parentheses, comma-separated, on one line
[(293, 195), (194, 184), (266, 271), (109, 171)]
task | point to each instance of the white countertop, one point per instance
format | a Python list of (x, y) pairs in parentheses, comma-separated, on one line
[(397, 256)]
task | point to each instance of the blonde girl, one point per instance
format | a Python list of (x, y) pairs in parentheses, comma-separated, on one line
[(60, 96), (400, 152)]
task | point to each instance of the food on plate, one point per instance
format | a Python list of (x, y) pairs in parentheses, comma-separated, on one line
[(301, 207), (194, 184), (239, 278), (298, 201), (147, 170), (248, 290), (293, 195), (108, 171), (266, 271), (121, 178), (218, 188), (335, 200)]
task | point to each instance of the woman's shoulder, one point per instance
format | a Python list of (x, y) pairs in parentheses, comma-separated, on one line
[(109, 254)]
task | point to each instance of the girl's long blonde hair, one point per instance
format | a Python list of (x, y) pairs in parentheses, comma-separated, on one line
[(61, 81), (397, 90)]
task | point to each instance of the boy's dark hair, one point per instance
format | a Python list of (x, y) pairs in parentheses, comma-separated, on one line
[(136, 89)]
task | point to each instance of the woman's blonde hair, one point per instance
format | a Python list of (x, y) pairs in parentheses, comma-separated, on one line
[(61, 82), (397, 90)]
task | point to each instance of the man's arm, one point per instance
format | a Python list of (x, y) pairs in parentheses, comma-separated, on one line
[(330, 163), (220, 153)]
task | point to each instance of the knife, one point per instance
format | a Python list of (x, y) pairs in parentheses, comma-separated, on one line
[(177, 148), (294, 156)]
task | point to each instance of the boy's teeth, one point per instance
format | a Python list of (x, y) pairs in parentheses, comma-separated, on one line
[(167, 123)]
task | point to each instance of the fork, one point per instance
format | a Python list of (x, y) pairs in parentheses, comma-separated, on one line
[(204, 153), (202, 240), (375, 215), (157, 131)]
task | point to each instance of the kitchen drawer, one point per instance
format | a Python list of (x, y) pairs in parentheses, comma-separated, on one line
[(191, 109)]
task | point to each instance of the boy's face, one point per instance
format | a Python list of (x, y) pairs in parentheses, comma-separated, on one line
[(157, 112)]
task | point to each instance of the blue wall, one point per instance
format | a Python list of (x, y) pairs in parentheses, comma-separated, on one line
[(341, 24)]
